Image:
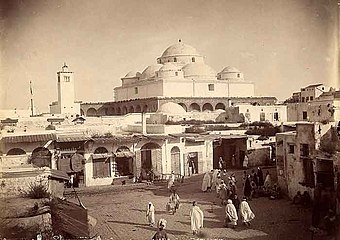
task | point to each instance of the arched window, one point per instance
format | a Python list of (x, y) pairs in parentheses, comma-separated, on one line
[(176, 73), (16, 151), (193, 59), (175, 59)]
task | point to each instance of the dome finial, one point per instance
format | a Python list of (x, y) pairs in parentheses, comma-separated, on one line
[(179, 40)]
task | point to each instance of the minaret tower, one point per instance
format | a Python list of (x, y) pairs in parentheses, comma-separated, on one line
[(66, 95)]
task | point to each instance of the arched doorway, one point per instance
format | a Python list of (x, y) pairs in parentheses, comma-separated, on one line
[(145, 108), (207, 107), (91, 112), (119, 111), (102, 111), (151, 158), (194, 107), (220, 106), (175, 160), (15, 151), (123, 165), (131, 109), (183, 106), (41, 157)]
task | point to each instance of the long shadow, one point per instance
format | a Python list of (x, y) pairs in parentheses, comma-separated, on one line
[(145, 226)]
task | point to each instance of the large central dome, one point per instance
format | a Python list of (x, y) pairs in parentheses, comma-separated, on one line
[(180, 49)]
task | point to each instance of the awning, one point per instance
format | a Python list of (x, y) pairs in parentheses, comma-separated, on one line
[(72, 138), (124, 154), (29, 138), (101, 155)]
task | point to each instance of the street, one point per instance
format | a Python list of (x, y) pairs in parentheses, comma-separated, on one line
[(120, 213)]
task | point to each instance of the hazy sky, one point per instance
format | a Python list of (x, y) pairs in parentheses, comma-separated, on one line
[(281, 45)]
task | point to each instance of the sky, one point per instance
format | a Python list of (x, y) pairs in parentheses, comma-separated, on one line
[(280, 45)]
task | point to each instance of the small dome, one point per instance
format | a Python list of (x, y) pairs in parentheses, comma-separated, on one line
[(230, 69), (171, 108), (180, 49), (168, 67), (149, 72), (198, 69), (130, 74)]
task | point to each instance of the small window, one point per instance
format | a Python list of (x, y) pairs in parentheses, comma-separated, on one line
[(193, 59), (291, 148), (323, 88), (262, 117), (304, 150), (304, 115), (136, 90), (176, 73), (66, 78), (276, 116), (303, 99), (238, 75), (311, 98), (211, 87), (307, 99), (175, 59)]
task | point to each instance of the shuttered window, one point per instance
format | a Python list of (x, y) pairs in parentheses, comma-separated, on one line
[(101, 168)]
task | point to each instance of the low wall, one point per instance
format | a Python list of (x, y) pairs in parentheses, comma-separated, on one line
[(17, 181)]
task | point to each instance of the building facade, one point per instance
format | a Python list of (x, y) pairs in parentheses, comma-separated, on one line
[(180, 76)]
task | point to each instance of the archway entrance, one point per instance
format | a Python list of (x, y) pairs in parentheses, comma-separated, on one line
[(175, 160), (151, 158), (123, 161)]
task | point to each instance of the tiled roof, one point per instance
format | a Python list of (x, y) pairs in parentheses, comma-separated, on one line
[(29, 138), (72, 138)]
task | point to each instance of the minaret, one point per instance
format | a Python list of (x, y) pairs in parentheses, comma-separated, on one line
[(66, 95)]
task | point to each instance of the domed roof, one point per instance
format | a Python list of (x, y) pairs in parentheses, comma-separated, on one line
[(198, 69), (150, 71), (168, 67), (130, 74), (171, 108), (230, 69), (180, 49)]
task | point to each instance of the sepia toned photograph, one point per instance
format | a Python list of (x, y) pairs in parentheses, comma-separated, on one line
[(164, 120)]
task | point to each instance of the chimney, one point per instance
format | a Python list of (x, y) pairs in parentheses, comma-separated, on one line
[(144, 123)]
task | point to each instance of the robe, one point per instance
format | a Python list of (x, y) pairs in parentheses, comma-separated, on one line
[(214, 179), (268, 182), (247, 188), (150, 214), (196, 215), (260, 176), (231, 213), (206, 182), (245, 212)]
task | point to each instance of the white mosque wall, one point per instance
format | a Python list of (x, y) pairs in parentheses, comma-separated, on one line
[(241, 90)]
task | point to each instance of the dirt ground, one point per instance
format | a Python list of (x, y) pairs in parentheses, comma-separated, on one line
[(119, 212)]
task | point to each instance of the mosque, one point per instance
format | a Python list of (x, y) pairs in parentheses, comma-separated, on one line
[(180, 76)]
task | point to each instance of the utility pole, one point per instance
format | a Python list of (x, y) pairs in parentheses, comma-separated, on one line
[(31, 92)]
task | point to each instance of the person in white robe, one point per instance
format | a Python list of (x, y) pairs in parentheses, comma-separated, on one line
[(150, 214), (231, 214), (245, 161), (246, 213), (206, 182), (214, 179), (268, 181), (171, 181), (196, 216)]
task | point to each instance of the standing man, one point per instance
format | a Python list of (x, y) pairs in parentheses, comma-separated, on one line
[(189, 166), (221, 163), (196, 216), (206, 184)]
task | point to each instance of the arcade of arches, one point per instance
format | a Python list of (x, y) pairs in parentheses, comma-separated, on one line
[(152, 105)]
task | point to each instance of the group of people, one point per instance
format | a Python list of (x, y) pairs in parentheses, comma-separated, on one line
[(234, 209), (255, 185), (196, 217)]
